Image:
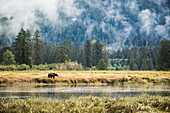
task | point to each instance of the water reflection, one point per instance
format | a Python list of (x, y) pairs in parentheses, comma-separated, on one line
[(66, 91)]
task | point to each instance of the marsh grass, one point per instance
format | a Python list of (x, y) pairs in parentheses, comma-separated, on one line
[(39, 73), (87, 104), (85, 80), (75, 77)]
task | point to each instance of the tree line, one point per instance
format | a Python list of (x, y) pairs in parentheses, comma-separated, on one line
[(90, 54), (143, 58), (137, 58), (31, 50)]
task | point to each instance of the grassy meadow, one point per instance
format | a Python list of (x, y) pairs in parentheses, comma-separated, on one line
[(110, 77), (37, 73), (87, 104)]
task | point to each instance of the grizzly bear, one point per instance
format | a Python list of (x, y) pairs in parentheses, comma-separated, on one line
[(52, 75)]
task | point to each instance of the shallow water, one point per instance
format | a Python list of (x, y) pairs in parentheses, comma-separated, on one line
[(65, 91)]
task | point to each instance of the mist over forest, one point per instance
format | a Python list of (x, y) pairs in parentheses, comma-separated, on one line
[(122, 23)]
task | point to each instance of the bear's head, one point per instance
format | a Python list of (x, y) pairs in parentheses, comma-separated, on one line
[(56, 75)]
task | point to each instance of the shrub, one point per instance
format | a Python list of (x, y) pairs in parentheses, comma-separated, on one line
[(7, 68), (87, 68), (67, 66), (42, 67), (23, 67), (58, 66), (118, 64), (93, 68)]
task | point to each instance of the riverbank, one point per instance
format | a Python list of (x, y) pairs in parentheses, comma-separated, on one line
[(87, 77), (87, 104)]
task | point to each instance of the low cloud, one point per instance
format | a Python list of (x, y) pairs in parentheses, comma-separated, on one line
[(24, 12), (147, 21)]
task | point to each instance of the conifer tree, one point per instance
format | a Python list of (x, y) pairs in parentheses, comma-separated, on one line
[(75, 51), (113, 54), (23, 47), (163, 61), (134, 58), (46, 53), (81, 56), (154, 56), (87, 54), (18, 47), (52, 53), (96, 52), (135, 67), (68, 48), (38, 48), (28, 49), (118, 55), (106, 53), (101, 65), (61, 56), (93, 43), (147, 63)]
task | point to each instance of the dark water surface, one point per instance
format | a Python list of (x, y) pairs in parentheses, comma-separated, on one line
[(65, 91)]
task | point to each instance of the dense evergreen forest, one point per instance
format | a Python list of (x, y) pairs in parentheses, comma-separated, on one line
[(93, 54), (122, 23)]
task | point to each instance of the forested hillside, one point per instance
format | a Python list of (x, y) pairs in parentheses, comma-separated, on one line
[(92, 55), (121, 23)]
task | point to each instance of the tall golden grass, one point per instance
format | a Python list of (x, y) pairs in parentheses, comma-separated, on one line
[(87, 104), (110, 77), (87, 80), (38, 73)]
